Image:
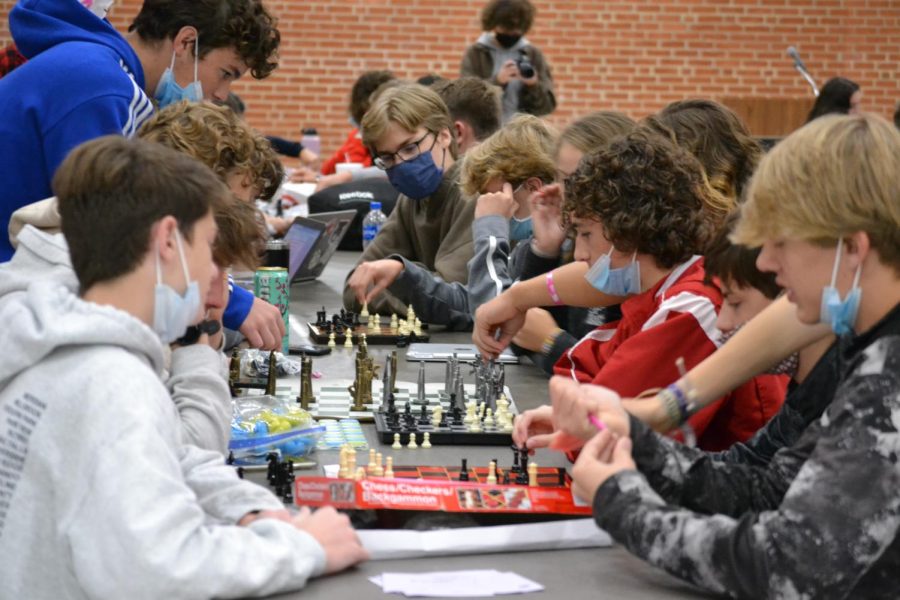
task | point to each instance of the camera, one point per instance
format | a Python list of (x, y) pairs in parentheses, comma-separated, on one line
[(526, 69)]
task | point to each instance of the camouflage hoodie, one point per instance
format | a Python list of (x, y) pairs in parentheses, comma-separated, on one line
[(833, 533)]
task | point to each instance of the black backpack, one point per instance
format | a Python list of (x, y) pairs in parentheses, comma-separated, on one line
[(356, 195)]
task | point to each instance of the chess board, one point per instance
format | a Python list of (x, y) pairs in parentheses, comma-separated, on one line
[(449, 433), (424, 488), (383, 335), (333, 400), (546, 476)]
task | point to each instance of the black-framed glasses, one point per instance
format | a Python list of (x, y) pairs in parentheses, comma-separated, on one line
[(410, 151)]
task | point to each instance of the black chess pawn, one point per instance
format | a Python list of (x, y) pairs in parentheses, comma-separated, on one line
[(288, 497), (464, 470), (321, 317), (516, 468), (230, 459), (423, 415), (271, 470)]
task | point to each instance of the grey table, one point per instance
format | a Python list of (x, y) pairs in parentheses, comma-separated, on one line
[(569, 574)]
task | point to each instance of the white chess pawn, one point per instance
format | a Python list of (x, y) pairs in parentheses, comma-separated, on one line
[(426, 443), (378, 471), (394, 322), (412, 442), (492, 473), (410, 315), (331, 342), (371, 466), (489, 418), (360, 474), (389, 468), (365, 310), (348, 340), (396, 445)]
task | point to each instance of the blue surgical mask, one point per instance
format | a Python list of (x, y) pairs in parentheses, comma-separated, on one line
[(169, 92), (840, 314), (520, 229), (615, 282), (417, 178), (173, 312)]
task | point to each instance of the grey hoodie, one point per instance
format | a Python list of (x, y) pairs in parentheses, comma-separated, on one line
[(99, 495), (196, 375)]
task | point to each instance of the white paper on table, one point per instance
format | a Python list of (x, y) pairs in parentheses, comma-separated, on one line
[(459, 584), (387, 544)]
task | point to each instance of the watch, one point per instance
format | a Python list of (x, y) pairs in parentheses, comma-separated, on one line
[(193, 333)]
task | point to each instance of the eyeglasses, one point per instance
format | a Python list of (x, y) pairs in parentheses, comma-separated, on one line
[(408, 152)]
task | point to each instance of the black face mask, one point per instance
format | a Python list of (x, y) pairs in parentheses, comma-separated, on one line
[(507, 40)]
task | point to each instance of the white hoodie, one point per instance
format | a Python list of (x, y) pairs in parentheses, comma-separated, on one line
[(197, 376), (99, 495)]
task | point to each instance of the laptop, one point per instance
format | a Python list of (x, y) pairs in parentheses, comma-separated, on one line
[(442, 352), (312, 242)]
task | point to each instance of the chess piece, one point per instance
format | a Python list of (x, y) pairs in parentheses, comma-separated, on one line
[(351, 461), (532, 474), (489, 418), (379, 469), (306, 392), (389, 468), (410, 315), (393, 387), (426, 443), (412, 442), (394, 322), (371, 465), (396, 445), (321, 317), (492, 472), (361, 390), (343, 462), (436, 416), (420, 390), (464, 470), (364, 313), (234, 371), (360, 474), (273, 374), (348, 340), (331, 342)]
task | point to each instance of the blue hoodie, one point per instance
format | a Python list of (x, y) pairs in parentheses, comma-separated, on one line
[(83, 80)]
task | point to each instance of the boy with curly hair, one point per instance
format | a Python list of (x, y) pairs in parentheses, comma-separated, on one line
[(639, 211), (84, 80)]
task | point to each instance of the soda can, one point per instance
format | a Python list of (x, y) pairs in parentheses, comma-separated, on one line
[(271, 284), (277, 253)]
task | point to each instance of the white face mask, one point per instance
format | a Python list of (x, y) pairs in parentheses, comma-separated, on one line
[(172, 312), (98, 7)]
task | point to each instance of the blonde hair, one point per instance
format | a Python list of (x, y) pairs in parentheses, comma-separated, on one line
[(834, 176), (410, 106), (594, 130), (218, 138), (523, 148)]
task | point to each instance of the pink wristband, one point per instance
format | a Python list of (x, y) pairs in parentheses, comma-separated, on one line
[(552, 289)]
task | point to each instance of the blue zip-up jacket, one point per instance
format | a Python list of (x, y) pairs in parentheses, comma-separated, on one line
[(82, 81)]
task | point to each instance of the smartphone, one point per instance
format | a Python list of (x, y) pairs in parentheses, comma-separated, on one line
[(310, 350)]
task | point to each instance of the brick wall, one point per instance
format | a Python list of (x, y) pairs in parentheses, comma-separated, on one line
[(628, 55)]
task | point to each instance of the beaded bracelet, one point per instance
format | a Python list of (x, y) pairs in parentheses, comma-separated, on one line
[(670, 404), (682, 401), (548, 342), (552, 289)]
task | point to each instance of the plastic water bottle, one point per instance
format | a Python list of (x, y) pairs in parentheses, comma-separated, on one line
[(372, 224), (311, 140)]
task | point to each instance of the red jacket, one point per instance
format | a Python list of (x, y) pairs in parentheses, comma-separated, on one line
[(353, 151), (676, 318)]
